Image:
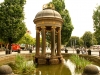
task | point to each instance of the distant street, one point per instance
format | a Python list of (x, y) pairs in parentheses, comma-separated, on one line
[(94, 53)]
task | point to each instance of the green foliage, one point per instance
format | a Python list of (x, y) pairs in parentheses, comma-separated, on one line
[(27, 39), (73, 41), (12, 26), (23, 66), (79, 62), (96, 18), (59, 5), (67, 26), (87, 38), (81, 42), (1, 41), (96, 23), (97, 37)]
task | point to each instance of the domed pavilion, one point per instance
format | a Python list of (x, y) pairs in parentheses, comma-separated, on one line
[(48, 20)]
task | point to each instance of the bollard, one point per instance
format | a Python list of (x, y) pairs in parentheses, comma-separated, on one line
[(30, 50), (66, 51), (89, 52), (7, 51), (78, 51), (19, 51)]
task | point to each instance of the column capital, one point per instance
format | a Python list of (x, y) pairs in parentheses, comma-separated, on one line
[(37, 30), (59, 30), (43, 27), (53, 27)]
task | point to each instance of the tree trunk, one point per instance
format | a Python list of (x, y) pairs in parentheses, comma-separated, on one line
[(9, 48)]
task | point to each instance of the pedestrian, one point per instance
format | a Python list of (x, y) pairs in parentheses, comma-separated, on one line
[(83, 50)]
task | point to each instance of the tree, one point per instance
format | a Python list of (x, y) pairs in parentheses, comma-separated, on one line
[(67, 26), (27, 39), (87, 38), (81, 42), (1, 41), (96, 23), (96, 19), (73, 41), (96, 38), (12, 26)]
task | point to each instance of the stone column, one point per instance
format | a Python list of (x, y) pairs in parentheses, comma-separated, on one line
[(43, 41), (53, 42), (37, 42), (59, 42)]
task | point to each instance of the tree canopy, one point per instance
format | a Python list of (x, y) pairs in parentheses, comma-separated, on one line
[(96, 23), (96, 18), (27, 39), (88, 39), (67, 26), (12, 26), (73, 41)]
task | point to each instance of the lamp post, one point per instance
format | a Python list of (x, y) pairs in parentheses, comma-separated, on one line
[(73, 43), (92, 39), (73, 46)]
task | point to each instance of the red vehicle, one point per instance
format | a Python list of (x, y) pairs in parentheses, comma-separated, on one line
[(15, 48)]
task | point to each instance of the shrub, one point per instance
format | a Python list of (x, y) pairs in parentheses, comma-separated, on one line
[(23, 66), (80, 62)]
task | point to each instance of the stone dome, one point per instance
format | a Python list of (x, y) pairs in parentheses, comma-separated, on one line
[(48, 13)]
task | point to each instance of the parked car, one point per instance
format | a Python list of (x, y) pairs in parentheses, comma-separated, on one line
[(16, 48), (22, 46)]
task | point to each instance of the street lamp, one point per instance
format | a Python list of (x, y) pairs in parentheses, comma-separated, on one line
[(92, 39)]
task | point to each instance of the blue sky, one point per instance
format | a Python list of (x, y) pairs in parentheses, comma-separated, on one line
[(80, 11)]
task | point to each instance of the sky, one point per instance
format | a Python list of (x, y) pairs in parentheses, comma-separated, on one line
[(81, 12)]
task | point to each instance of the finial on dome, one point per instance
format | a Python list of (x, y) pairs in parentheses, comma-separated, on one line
[(48, 6)]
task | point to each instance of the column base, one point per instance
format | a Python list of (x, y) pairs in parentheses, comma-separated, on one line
[(48, 60)]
